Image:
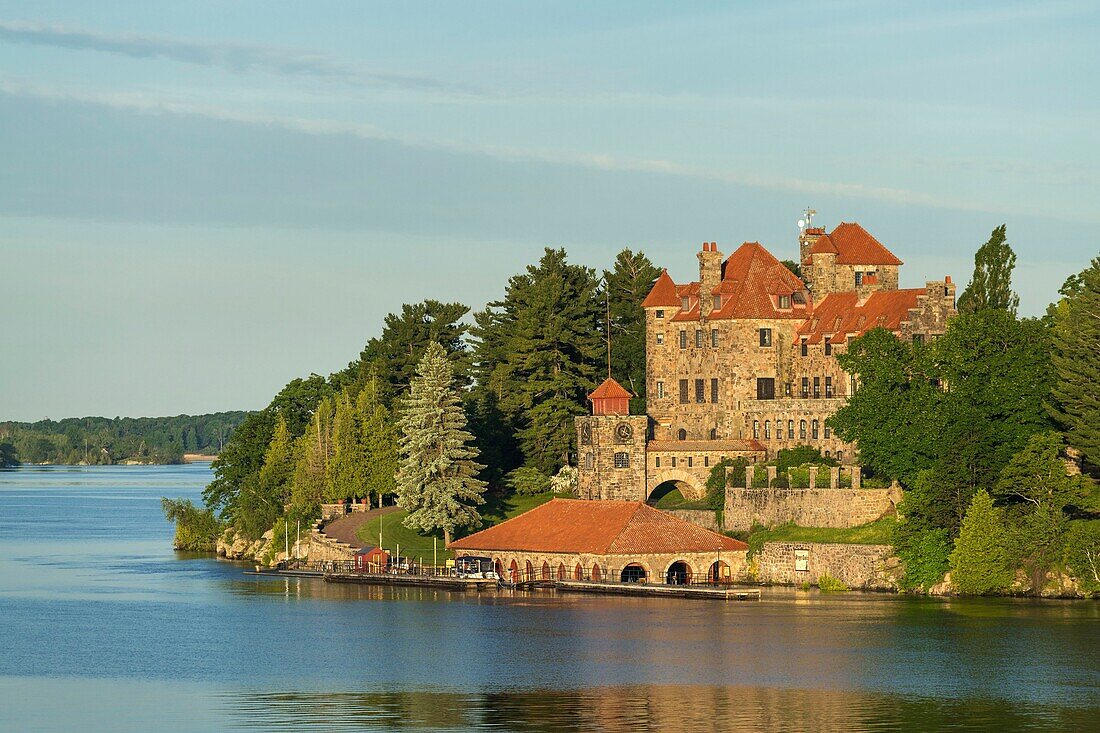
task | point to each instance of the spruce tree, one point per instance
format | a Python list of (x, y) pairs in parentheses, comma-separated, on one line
[(278, 463), (980, 562), (625, 287), (1075, 397), (313, 451), (990, 287), (378, 440), (347, 471), (436, 481)]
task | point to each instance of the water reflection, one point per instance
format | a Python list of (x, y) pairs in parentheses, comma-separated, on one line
[(642, 708)]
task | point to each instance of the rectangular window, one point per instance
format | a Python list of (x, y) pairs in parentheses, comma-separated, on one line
[(787, 389), (828, 386), (717, 302), (765, 337), (674, 461), (756, 429), (706, 461), (784, 302), (714, 390), (814, 433), (660, 314), (805, 387), (790, 429), (827, 431), (700, 390), (828, 346), (802, 429), (589, 461), (660, 389), (714, 338), (765, 388), (657, 462), (622, 460), (817, 388), (805, 348), (859, 279), (689, 461), (699, 338), (767, 430), (685, 303), (660, 338), (683, 339), (683, 391)]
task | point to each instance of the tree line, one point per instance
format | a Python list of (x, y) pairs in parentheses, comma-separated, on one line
[(506, 382), (101, 440), (985, 428)]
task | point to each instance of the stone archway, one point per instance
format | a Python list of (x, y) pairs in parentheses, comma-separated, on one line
[(719, 572), (633, 573), (690, 486), (678, 573)]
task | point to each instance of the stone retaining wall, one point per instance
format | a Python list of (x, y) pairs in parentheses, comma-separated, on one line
[(866, 567), (806, 507), (703, 517), (323, 548)]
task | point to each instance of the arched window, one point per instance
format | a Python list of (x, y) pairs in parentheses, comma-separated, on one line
[(714, 433), (529, 571), (545, 570), (802, 429), (681, 434), (756, 429), (596, 574), (814, 433), (561, 571), (840, 455), (767, 430), (578, 572), (790, 429)]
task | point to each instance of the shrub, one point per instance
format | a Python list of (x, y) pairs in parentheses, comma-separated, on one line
[(980, 562), (565, 481), (528, 480), (925, 555), (717, 481), (197, 529), (781, 482), (759, 477), (801, 455), (829, 584), (1082, 554)]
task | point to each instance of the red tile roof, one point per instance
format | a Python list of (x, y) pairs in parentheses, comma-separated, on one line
[(853, 245), (751, 278), (663, 293), (705, 445), (610, 390), (840, 315), (599, 528)]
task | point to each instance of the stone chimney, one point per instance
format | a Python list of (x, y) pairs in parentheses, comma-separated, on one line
[(806, 241), (710, 275)]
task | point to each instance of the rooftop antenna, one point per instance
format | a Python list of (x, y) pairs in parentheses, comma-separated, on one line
[(808, 216), (607, 316)]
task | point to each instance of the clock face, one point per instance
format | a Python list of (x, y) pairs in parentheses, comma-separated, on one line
[(623, 432), (586, 433)]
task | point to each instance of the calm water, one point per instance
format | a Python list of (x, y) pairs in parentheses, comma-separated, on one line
[(105, 628)]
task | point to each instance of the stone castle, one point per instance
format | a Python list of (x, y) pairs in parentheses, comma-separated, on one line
[(743, 361)]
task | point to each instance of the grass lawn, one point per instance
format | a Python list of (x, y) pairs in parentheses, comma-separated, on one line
[(872, 533), (414, 544)]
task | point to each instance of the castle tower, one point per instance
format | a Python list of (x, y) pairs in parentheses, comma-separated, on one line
[(710, 275), (611, 447)]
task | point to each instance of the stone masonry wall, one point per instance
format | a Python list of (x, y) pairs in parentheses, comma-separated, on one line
[(703, 517), (865, 567), (806, 507), (610, 566)]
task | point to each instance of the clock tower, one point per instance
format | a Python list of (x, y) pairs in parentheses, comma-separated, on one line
[(611, 447)]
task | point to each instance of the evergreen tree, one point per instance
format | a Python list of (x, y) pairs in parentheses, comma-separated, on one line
[(1075, 397), (313, 451), (538, 350), (347, 471), (263, 496), (8, 457), (494, 435), (436, 481), (980, 562), (378, 438), (278, 464), (625, 287), (990, 288)]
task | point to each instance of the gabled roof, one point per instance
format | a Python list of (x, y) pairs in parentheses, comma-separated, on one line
[(751, 276), (840, 315), (598, 528), (663, 293), (853, 245), (610, 390)]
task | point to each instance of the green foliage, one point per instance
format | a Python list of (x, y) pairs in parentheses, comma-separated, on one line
[(313, 451), (101, 440), (878, 532), (725, 473), (378, 443), (1075, 399), (538, 351), (528, 480), (436, 480), (981, 562), (829, 584), (1082, 554), (8, 457), (197, 529), (793, 267), (346, 473), (990, 288), (626, 286), (801, 455), (925, 554)]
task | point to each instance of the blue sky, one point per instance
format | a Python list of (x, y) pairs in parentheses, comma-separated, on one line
[(200, 201)]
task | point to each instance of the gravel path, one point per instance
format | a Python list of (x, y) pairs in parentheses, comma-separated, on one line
[(344, 529)]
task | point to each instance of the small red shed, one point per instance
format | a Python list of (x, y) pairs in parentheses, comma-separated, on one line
[(371, 560)]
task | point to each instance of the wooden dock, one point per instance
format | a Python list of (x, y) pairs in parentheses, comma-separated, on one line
[(442, 582), (657, 589)]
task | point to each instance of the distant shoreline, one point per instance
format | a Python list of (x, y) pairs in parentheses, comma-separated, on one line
[(199, 458)]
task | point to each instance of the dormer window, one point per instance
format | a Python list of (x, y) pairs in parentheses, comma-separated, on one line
[(685, 303), (717, 302), (784, 302)]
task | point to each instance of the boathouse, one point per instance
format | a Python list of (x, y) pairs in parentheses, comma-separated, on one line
[(627, 541)]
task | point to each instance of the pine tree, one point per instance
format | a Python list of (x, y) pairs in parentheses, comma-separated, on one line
[(313, 451), (347, 471), (990, 288), (378, 438), (1075, 397), (278, 464), (436, 481), (626, 287), (980, 562)]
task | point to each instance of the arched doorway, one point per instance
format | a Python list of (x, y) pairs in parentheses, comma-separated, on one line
[(561, 571), (578, 572), (513, 572), (678, 573), (633, 573), (719, 572), (545, 570), (529, 571), (596, 574), (498, 568)]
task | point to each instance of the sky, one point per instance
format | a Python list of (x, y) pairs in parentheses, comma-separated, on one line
[(202, 201)]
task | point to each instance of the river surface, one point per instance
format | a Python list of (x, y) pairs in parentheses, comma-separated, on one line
[(104, 628)]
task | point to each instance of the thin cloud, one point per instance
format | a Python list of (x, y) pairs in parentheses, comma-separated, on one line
[(235, 57), (144, 103)]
